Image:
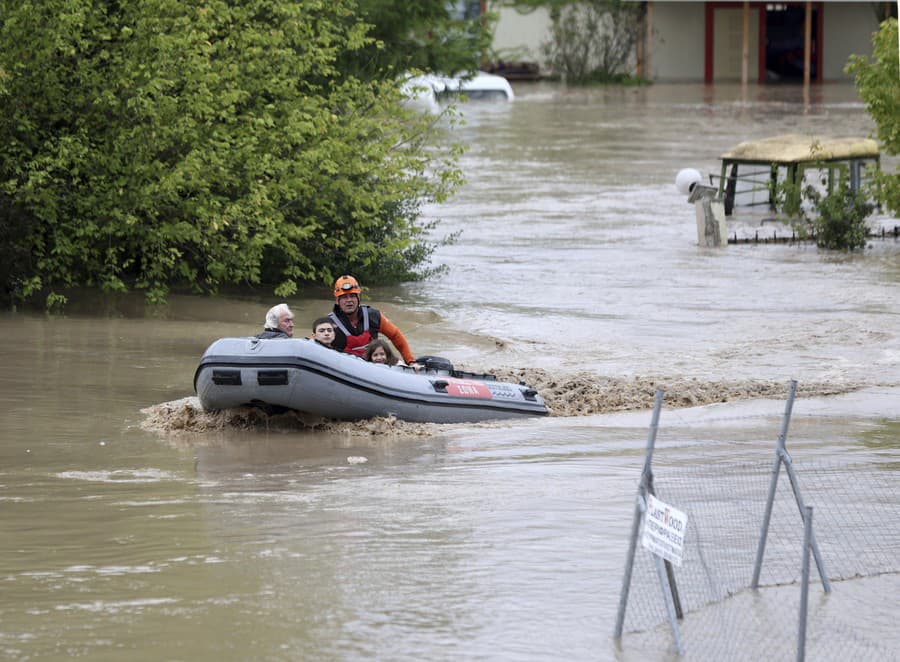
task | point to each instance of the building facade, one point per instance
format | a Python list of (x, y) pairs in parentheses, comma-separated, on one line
[(762, 42)]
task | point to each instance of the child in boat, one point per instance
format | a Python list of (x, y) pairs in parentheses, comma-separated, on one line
[(323, 332), (378, 351)]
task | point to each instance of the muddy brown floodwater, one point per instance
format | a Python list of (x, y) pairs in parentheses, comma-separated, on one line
[(135, 526)]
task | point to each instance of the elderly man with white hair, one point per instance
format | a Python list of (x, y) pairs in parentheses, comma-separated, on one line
[(279, 322)]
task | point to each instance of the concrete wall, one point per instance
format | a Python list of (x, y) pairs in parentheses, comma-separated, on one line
[(677, 50), (847, 29), (519, 37)]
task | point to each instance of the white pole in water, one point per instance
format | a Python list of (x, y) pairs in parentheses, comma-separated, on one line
[(710, 210)]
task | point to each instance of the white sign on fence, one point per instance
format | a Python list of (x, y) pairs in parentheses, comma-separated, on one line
[(664, 528)]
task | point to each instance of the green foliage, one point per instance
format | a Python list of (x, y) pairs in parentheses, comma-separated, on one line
[(841, 223), (421, 36), (591, 41), (835, 215), (15, 257), (174, 143), (599, 77), (878, 84)]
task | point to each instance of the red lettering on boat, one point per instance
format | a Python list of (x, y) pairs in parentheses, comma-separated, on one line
[(467, 389)]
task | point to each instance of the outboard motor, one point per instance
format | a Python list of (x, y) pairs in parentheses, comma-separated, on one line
[(437, 364)]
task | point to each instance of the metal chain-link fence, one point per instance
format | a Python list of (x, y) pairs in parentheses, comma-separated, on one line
[(857, 528)]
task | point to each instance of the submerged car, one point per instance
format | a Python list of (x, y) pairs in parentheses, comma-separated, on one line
[(427, 90)]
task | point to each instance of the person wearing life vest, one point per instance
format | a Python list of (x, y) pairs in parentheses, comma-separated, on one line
[(356, 325)]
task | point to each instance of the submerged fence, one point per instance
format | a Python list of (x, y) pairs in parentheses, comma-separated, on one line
[(784, 238), (738, 593)]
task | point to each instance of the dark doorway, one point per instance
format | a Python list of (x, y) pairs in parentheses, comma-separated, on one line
[(784, 43)]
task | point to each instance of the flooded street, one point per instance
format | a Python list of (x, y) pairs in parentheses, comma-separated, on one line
[(575, 255), (572, 211)]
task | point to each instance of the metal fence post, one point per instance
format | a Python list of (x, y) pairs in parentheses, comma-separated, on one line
[(773, 484), (804, 586), (783, 457), (646, 477), (813, 543), (670, 607)]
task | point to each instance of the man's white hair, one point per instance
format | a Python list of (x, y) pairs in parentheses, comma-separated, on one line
[(275, 312)]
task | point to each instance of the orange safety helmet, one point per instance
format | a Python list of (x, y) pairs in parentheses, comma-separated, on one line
[(346, 285)]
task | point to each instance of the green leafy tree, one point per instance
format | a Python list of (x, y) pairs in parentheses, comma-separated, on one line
[(183, 142), (428, 35), (878, 84)]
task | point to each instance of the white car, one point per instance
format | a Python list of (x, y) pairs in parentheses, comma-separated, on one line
[(426, 90)]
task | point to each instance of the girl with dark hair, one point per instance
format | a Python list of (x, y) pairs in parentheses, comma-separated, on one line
[(378, 351)]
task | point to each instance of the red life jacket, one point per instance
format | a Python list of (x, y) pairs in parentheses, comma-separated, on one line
[(357, 343)]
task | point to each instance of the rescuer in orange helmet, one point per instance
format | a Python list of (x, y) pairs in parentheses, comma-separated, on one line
[(356, 325)]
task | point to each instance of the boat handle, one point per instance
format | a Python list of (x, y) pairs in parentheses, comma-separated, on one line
[(226, 377), (440, 385), (272, 377)]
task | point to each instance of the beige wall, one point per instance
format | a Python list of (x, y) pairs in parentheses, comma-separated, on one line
[(677, 52), (846, 29), (678, 42), (519, 37)]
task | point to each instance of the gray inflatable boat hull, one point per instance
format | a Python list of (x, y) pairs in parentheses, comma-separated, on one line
[(302, 375)]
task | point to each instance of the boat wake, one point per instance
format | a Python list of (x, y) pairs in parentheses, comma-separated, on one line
[(581, 394), (587, 394)]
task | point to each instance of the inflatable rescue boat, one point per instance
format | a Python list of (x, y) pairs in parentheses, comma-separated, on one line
[(300, 374)]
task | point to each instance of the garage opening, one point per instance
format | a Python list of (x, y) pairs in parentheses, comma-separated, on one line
[(784, 43)]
